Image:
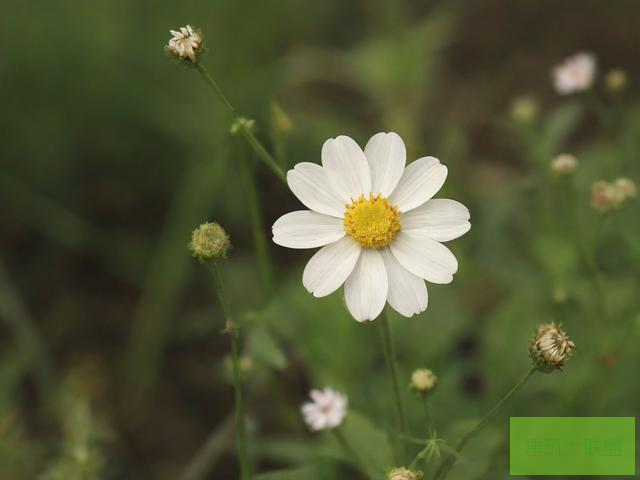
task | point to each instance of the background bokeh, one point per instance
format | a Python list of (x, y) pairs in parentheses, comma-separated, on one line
[(112, 365)]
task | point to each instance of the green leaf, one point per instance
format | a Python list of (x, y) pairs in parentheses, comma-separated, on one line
[(475, 460), (557, 255), (559, 124), (262, 346), (368, 442)]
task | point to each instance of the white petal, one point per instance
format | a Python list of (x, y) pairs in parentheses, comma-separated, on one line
[(330, 267), (347, 168), (420, 181), (306, 229), (440, 219), (387, 157), (310, 183), (407, 292), (365, 291), (424, 257)]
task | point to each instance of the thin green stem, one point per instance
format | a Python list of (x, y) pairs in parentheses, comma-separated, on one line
[(415, 440), (390, 356), (430, 426), (445, 467), (587, 251), (232, 330), (257, 228), (257, 146)]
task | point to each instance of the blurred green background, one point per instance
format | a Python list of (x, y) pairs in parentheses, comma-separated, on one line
[(112, 365)]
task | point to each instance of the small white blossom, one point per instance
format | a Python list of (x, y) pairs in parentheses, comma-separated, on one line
[(326, 410), (575, 74), (564, 163), (185, 43)]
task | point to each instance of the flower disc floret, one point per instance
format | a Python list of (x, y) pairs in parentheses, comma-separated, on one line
[(373, 222)]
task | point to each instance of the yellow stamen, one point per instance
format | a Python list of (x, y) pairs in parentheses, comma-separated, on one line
[(372, 222)]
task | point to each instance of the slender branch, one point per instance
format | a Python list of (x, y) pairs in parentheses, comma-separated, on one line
[(257, 146), (390, 357), (232, 330), (445, 466), (430, 426)]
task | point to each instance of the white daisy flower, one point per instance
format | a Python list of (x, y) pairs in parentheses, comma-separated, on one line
[(379, 230), (185, 43), (326, 410), (575, 74)]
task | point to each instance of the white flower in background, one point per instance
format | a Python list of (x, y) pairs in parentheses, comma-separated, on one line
[(575, 74), (379, 230), (185, 43), (326, 410), (564, 163)]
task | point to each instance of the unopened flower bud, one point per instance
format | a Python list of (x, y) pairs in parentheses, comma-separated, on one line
[(603, 196), (564, 163), (242, 122), (625, 189), (524, 109), (402, 473), (185, 44), (616, 80), (209, 242), (550, 348), (423, 381)]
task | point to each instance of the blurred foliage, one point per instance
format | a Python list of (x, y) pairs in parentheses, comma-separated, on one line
[(112, 364)]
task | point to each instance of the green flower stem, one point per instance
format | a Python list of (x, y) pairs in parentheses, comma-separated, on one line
[(232, 330), (257, 228), (445, 467), (390, 357), (587, 251), (260, 150), (430, 426)]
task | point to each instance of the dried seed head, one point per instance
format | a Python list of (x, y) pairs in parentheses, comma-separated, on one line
[(616, 80), (185, 44), (564, 164), (625, 189), (209, 242), (402, 473), (423, 381), (550, 348), (603, 196)]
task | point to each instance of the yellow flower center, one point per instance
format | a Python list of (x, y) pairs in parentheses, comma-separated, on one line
[(372, 222)]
